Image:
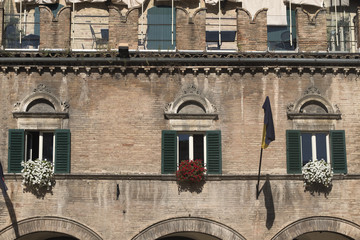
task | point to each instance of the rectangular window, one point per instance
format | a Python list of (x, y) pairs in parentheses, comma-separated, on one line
[(191, 147), (283, 38), (179, 146), (53, 146), (161, 28), (314, 146), (301, 147), (21, 28), (40, 145), (341, 34)]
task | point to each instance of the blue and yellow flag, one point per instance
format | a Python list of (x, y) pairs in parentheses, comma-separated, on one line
[(269, 131)]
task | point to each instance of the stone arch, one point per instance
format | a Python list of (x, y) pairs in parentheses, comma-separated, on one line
[(320, 223), (191, 98), (188, 224), (49, 224), (313, 105), (40, 93)]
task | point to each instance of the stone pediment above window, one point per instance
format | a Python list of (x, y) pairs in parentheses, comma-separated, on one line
[(312, 105), (191, 104), (41, 110)]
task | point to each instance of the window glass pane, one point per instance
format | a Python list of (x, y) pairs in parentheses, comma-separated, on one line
[(306, 151), (48, 141), (183, 147), (321, 146), (279, 36), (32, 148), (198, 146)]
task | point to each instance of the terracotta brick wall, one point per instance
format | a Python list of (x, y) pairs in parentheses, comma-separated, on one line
[(190, 34), (252, 34), (123, 28), (55, 31), (311, 30)]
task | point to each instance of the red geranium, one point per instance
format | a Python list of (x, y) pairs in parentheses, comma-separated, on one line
[(191, 171)]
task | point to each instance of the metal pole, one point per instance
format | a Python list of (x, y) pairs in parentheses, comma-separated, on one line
[(291, 43), (258, 182), (219, 24)]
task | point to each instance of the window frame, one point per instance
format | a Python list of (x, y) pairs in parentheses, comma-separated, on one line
[(17, 148), (191, 146), (337, 148), (314, 145), (169, 151), (40, 145)]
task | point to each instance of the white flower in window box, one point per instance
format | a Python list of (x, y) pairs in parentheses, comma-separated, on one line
[(38, 175), (317, 172)]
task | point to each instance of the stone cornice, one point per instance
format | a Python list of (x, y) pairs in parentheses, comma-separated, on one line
[(108, 62)]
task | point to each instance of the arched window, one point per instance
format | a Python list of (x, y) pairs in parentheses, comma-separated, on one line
[(313, 136), (41, 133), (192, 134)]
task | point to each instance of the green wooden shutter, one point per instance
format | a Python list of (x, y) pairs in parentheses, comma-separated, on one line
[(16, 150), (168, 152), (159, 28), (213, 150), (338, 151), (293, 151), (62, 150)]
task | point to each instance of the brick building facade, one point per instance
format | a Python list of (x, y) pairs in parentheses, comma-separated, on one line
[(112, 118)]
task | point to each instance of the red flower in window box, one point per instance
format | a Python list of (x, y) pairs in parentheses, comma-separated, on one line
[(191, 171)]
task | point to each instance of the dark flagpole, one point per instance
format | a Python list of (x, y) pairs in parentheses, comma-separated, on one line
[(258, 182)]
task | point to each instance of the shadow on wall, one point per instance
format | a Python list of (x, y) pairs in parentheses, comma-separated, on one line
[(269, 203), (12, 214)]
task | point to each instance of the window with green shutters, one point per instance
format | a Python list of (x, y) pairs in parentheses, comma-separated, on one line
[(53, 146), (302, 146), (178, 146)]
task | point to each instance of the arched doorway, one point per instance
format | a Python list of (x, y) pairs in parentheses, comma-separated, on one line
[(48, 228), (321, 235), (188, 228), (319, 228), (188, 236), (47, 236)]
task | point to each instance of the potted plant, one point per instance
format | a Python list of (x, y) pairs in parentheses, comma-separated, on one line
[(38, 175), (317, 173), (191, 171)]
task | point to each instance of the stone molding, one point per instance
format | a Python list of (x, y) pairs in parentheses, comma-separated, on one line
[(320, 223), (188, 224), (313, 94), (48, 224)]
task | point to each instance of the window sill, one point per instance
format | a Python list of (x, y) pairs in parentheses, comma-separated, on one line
[(327, 116), (40, 115), (191, 116)]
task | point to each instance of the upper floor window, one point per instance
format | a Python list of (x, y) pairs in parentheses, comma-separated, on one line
[(283, 38), (158, 32), (313, 136), (21, 25), (90, 25), (341, 34), (178, 146), (192, 120), (41, 132), (221, 26)]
